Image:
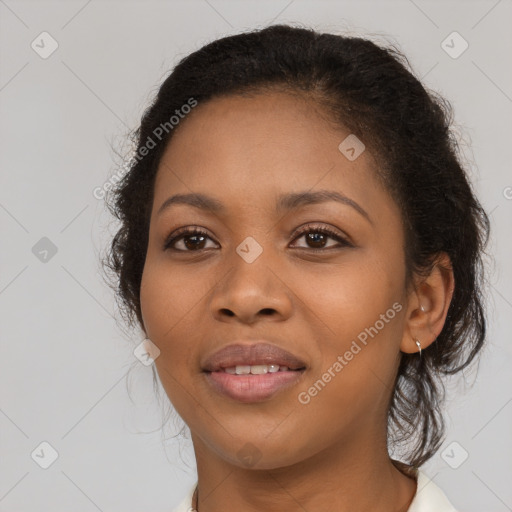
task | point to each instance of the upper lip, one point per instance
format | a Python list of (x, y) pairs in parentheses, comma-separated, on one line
[(240, 353)]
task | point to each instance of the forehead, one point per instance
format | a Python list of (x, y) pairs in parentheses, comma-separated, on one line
[(249, 149)]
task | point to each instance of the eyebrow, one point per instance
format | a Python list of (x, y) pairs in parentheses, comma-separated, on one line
[(285, 202)]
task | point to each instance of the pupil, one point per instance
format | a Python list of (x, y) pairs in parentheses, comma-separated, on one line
[(314, 237), (193, 246)]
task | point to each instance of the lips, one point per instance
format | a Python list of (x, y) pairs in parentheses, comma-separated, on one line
[(255, 354), (251, 373)]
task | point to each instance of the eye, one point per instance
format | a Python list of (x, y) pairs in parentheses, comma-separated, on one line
[(191, 238), (318, 237)]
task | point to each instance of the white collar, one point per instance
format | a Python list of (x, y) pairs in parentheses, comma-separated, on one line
[(429, 497)]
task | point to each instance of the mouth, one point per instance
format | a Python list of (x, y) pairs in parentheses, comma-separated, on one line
[(252, 373)]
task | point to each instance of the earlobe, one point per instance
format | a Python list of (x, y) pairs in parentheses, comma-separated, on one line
[(428, 305)]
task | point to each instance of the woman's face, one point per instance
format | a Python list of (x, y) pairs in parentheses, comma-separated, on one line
[(334, 301)]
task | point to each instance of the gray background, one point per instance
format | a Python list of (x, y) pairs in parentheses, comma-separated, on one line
[(65, 362)]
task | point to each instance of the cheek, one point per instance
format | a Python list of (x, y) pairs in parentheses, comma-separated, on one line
[(167, 303), (351, 296), (360, 305), (168, 295), (355, 372)]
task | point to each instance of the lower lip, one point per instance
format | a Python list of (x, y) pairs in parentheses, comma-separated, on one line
[(252, 388)]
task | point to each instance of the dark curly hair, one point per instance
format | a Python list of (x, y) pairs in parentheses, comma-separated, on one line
[(369, 90)]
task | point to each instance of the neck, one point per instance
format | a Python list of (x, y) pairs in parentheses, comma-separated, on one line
[(349, 477)]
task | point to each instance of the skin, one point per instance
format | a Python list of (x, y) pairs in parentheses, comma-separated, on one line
[(329, 454)]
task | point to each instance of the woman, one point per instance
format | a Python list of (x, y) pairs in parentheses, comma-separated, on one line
[(301, 243)]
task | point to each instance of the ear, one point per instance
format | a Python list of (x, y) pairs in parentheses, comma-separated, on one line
[(428, 303)]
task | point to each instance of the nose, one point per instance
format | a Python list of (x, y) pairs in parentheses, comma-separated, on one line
[(251, 292)]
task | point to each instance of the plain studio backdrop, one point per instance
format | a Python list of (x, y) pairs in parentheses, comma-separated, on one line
[(75, 77)]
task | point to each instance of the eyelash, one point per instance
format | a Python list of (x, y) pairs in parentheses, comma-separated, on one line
[(302, 231)]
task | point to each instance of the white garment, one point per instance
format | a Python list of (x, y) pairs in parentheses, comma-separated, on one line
[(428, 498)]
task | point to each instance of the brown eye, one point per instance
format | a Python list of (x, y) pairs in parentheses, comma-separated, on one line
[(191, 240), (317, 238)]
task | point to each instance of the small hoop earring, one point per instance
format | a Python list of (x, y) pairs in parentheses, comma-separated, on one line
[(419, 346)]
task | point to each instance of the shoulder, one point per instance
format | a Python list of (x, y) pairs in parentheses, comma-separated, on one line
[(429, 497)]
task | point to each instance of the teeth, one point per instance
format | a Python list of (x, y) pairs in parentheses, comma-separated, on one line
[(255, 369), (259, 369)]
